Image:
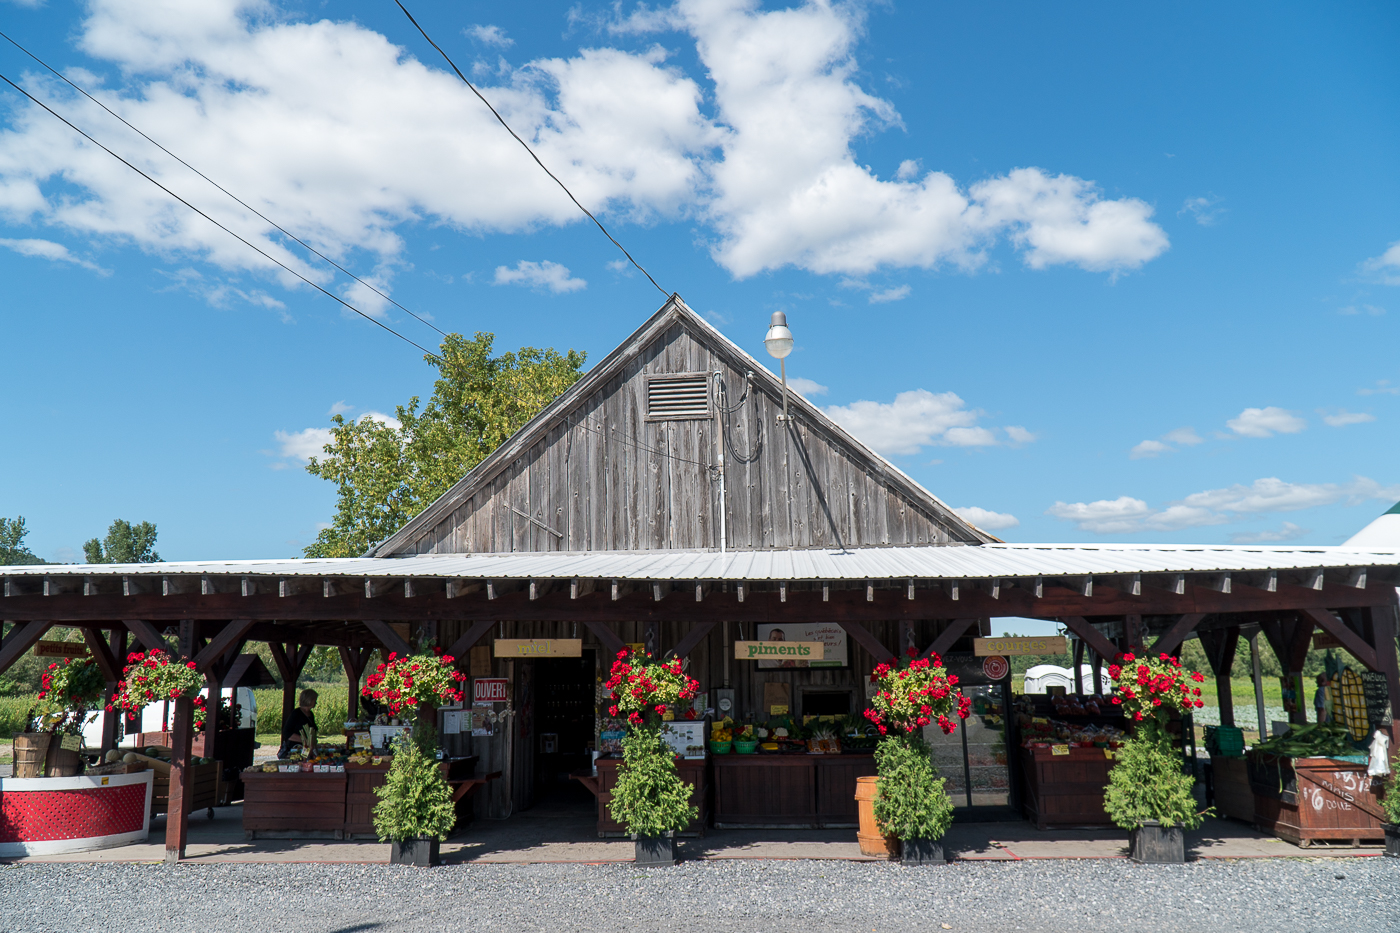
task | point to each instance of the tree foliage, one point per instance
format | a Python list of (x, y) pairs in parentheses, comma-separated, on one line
[(125, 544), (415, 801), (1148, 783), (650, 798), (912, 802), (12, 549), (387, 473)]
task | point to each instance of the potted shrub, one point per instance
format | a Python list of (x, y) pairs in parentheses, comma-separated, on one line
[(68, 698), (415, 811), (1148, 793), (911, 803), (1391, 804), (650, 798)]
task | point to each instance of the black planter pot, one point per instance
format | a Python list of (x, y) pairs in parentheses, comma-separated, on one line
[(420, 853), (655, 851), (921, 852), (1154, 844), (1392, 839)]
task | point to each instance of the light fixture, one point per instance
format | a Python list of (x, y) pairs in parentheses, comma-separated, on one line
[(779, 343)]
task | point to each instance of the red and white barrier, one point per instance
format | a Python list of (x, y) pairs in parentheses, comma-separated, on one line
[(53, 816)]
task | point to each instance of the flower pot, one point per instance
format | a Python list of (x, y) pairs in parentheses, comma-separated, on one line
[(1154, 844), (922, 852), (655, 851), (420, 853), (872, 841), (30, 751), (1392, 839)]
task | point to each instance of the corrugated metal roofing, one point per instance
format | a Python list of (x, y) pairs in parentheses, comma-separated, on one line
[(986, 561)]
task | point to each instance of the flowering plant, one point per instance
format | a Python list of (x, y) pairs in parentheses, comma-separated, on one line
[(229, 714), (1153, 687), (152, 676), (640, 685), (69, 691), (405, 682), (913, 695)]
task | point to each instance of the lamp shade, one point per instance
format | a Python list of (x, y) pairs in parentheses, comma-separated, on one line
[(779, 338)]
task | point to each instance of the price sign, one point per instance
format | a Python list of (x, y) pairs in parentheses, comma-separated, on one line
[(72, 743), (1059, 749)]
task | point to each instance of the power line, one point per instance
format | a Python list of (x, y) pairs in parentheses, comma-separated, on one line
[(307, 246), (201, 213), (522, 142)]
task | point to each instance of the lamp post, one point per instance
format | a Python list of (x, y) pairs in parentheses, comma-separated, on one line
[(779, 344)]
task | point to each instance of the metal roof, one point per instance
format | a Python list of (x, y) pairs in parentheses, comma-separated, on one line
[(985, 561)]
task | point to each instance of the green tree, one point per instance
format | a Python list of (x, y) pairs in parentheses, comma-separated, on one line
[(12, 549), (386, 474), (125, 544)]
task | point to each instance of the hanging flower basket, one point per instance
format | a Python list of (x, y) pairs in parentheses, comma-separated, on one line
[(69, 692), (1152, 688), (641, 687), (914, 694), (153, 676), (405, 683)]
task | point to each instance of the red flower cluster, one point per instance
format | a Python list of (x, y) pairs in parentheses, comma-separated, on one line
[(1152, 687), (915, 695), (69, 691), (155, 676), (639, 685), (403, 683)]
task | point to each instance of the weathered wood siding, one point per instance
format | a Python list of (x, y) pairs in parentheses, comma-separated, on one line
[(600, 476)]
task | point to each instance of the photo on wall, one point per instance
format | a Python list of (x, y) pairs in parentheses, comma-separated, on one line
[(831, 635)]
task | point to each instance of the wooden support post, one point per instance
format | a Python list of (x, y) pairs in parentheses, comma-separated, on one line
[(1085, 630), (867, 640), (954, 630), (606, 637), (354, 661), (1383, 621), (1172, 638), (177, 814), (146, 633), (22, 637), (470, 637), (116, 650), (290, 660), (906, 630), (1290, 635), (697, 633), (1076, 663), (1220, 646), (1132, 631), (388, 637), (214, 681)]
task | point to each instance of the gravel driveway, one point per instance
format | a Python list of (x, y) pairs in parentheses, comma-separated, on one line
[(1298, 895)]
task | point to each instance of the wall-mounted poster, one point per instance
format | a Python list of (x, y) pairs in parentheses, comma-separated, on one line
[(831, 635)]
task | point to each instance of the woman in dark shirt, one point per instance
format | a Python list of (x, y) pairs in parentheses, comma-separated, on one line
[(300, 718)]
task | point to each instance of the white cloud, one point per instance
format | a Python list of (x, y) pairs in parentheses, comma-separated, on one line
[(1266, 422), (54, 252), (987, 520), (806, 387), (302, 445), (1217, 506), (1382, 387), (1289, 532), (1187, 437), (1342, 418), (546, 274), (340, 408), (914, 419), (1148, 449), (1386, 266), (1206, 210), (1372, 310), (386, 420), (1018, 434), (890, 294), (490, 35)]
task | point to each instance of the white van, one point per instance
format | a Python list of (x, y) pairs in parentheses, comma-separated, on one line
[(156, 717)]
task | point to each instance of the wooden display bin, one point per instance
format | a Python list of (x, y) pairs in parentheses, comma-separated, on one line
[(797, 791), (296, 805), (693, 771), (204, 788), (1234, 797), (1065, 790), (1307, 800)]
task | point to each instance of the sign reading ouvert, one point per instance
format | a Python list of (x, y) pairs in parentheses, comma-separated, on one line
[(539, 647)]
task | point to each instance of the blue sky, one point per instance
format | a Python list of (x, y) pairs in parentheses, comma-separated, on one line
[(1098, 272)]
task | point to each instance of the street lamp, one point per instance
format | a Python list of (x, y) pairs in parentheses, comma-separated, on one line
[(779, 344)]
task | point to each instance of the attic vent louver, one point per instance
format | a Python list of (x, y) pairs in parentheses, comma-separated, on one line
[(672, 398)]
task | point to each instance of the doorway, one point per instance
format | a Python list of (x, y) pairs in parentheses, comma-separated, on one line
[(565, 714)]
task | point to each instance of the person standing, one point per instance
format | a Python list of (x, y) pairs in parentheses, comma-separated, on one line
[(302, 717)]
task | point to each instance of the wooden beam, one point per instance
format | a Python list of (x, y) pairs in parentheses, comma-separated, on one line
[(108, 663), (581, 586), (691, 638), (147, 635), (388, 637), (21, 638), (459, 588), (949, 636), (1351, 641), (1220, 646), (867, 640), (231, 636), (1172, 638), (609, 639), (470, 637), (177, 814), (1091, 636)]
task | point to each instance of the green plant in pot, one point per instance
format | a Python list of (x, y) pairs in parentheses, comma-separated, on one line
[(68, 699), (415, 812), (1390, 803), (1148, 793), (911, 802), (650, 798)]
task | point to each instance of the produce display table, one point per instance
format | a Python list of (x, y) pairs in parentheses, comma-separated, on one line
[(693, 771), (235, 748), (1307, 800), (205, 783), (788, 790), (52, 816), (1066, 789)]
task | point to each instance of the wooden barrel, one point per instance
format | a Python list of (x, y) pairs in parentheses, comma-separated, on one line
[(30, 749), (60, 762), (872, 842)]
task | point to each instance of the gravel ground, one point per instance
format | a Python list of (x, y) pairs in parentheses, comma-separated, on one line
[(1299, 895)]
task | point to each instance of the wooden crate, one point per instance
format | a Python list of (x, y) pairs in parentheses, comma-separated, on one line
[(1308, 800), (292, 805), (1065, 790), (204, 788), (1234, 797)]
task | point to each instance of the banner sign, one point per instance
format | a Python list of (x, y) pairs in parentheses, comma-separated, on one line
[(539, 647), (805, 651), (489, 690), (1050, 644), (829, 634), (60, 649)]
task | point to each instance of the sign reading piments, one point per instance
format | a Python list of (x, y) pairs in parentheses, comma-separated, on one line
[(779, 650), (489, 690), (539, 647), (61, 649), (1050, 644)]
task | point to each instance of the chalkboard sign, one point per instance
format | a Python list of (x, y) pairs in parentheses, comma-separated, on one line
[(1377, 699)]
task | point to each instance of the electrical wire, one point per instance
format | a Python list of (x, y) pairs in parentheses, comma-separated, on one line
[(522, 142), (307, 246), (201, 213)]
